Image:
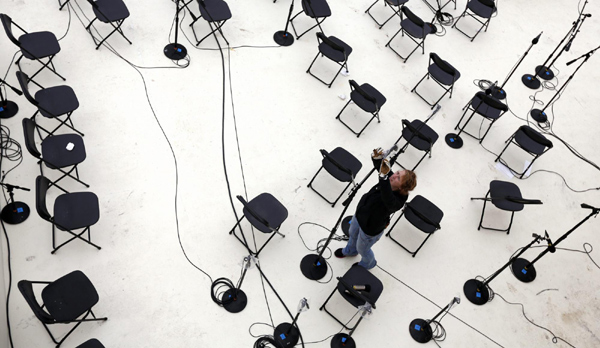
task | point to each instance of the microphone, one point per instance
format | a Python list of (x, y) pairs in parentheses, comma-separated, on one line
[(535, 235), (386, 153), (536, 39), (456, 300), (16, 90), (587, 206), (568, 46), (587, 15), (551, 247), (489, 91), (365, 287)]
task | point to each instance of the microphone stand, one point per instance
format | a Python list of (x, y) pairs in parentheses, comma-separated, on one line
[(544, 71), (540, 115), (477, 292), (238, 297), (8, 108), (287, 334), (524, 270), (176, 51), (283, 37), (313, 266), (420, 329), (14, 212), (499, 92)]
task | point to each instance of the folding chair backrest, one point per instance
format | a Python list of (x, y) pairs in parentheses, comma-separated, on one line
[(327, 157), (7, 24), (422, 216), (41, 188), (535, 136), (26, 289), (488, 3), (253, 213), (442, 64), (24, 83), (415, 131), (29, 135), (491, 102), (362, 92), (413, 17), (330, 43)]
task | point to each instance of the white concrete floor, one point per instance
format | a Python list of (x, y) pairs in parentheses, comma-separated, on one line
[(154, 298)]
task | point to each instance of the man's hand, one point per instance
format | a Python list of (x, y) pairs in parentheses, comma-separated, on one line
[(377, 153), (384, 169)]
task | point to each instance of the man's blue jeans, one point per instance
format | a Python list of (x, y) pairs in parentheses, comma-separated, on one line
[(361, 243)]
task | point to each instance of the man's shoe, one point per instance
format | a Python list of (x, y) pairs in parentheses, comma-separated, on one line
[(339, 254)]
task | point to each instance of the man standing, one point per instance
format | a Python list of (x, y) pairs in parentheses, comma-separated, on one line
[(374, 209)]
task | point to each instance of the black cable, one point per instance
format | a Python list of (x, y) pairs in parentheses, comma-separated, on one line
[(136, 68), (9, 280), (438, 306), (68, 24), (555, 338)]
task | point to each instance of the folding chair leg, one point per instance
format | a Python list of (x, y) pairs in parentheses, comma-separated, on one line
[(483, 211), (72, 238), (487, 131), (338, 115), (511, 221), (529, 166), (313, 178), (421, 160), (507, 144), (420, 246)]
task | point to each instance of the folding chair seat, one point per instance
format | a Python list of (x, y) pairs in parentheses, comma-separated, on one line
[(392, 3), (477, 9), (266, 214), (317, 9), (335, 50), (51, 102), (72, 211), (420, 136), (69, 299), (368, 99), (422, 214), (342, 165), (113, 12), (529, 140), (55, 153), (443, 73), (505, 196), (93, 343), (415, 28), (356, 275), (214, 12), (34, 46), (486, 106)]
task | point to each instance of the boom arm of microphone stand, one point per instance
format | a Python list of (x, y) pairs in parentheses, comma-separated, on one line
[(585, 55)]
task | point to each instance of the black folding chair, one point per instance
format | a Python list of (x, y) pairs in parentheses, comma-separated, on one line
[(392, 3), (113, 12), (505, 196), (34, 46), (529, 140), (342, 165), (69, 299), (486, 106), (51, 102), (266, 214), (482, 11), (422, 214), (368, 99), (93, 343), (214, 12), (420, 136), (415, 28), (356, 275), (56, 152), (443, 73), (335, 50), (72, 211), (317, 9)]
